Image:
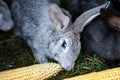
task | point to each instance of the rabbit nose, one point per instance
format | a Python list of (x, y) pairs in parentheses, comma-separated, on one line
[(69, 67)]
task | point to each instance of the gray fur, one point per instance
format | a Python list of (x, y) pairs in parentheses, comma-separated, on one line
[(89, 15), (6, 22), (37, 24)]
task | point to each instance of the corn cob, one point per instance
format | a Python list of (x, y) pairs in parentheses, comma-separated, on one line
[(34, 72), (111, 74)]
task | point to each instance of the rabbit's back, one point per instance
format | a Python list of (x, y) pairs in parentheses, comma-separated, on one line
[(98, 38), (32, 15)]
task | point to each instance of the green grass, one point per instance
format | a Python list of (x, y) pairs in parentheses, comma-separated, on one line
[(15, 53), (84, 64)]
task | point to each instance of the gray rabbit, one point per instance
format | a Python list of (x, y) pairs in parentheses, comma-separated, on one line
[(6, 22), (48, 30)]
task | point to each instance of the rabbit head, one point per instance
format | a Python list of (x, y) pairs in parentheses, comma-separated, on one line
[(66, 46)]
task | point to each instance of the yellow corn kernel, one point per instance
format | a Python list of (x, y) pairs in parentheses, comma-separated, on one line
[(34, 72), (110, 74)]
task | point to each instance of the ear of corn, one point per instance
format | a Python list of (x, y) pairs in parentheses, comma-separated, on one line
[(43, 71), (112, 74), (35, 72)]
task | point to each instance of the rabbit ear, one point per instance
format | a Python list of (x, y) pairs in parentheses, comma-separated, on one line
[(60, 20), (88, 16)]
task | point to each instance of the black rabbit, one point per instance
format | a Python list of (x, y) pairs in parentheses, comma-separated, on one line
[(102, 36)]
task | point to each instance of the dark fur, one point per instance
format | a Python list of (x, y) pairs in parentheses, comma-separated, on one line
[(102, 37), (77, 7)]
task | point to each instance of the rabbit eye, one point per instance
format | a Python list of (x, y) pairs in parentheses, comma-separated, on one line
[(64, 44)]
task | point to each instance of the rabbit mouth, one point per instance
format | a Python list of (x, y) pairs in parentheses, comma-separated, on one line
[(68, 67), (67, 64)]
